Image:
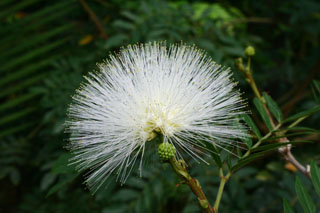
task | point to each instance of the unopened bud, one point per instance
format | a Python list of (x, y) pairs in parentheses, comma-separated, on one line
[(166, 151), (249, 51)]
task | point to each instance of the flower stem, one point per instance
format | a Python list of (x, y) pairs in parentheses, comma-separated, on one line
[(219, 195), (285, 151), (261, 140), (254, 86), (180, 169), (223, 180)]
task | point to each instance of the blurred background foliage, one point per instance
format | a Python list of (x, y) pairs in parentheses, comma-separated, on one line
[(47, 46)]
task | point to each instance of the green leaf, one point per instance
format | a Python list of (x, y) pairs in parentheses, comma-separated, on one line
[(47, 180), (132, 16), (303, 128), (16, 7), (302, 114), (315, 94), (247, 160), (124, 25), (252, 125), (269, 147), (315, 176), (31, 42), (316, 90), (47, 11), (17, 101), (5, 2), (304, 197), (15, 129), (32, 54), (16, 115), (229, 162), (317, 85), (62, 165), (27, 70), (247, 141), (286, 207), (15, 176), (125, 195), (34, 20), (262, 151), (264, 115), (22, 85), (272, 139), (115, 41), (273, 106), (115, 209), (239, 152), (214, 153), (62, 183)]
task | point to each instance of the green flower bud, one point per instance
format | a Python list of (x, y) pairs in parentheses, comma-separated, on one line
[(166, 151), (249, 51)]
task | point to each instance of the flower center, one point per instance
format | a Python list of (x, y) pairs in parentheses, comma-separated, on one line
[(160, 118)]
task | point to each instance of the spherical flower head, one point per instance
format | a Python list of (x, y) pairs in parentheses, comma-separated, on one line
[(147, 90), (166, 151)]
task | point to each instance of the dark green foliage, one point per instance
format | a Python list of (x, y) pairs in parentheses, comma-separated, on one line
[(29, 45), (43, 60), (302, 193), (286, 207), (304, 197), (252, 125), (273, 106), (263, 113), (315, 176)]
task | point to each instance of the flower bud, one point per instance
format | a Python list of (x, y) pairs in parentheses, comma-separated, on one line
[(249, 51), (166, 151)]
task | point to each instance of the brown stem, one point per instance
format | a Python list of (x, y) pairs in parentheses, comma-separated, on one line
[(253, 84), (193, 183), (285, 151), (94, 18)]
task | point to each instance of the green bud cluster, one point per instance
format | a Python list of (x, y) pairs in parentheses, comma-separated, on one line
[(249, 51), (166, 151)]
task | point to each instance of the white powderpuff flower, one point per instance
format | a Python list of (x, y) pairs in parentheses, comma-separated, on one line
[(148, 90)]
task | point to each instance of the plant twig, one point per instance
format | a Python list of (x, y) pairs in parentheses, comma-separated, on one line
[(180, 169), (285, 151), (94, 18), (288, 156), (223, 180)]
